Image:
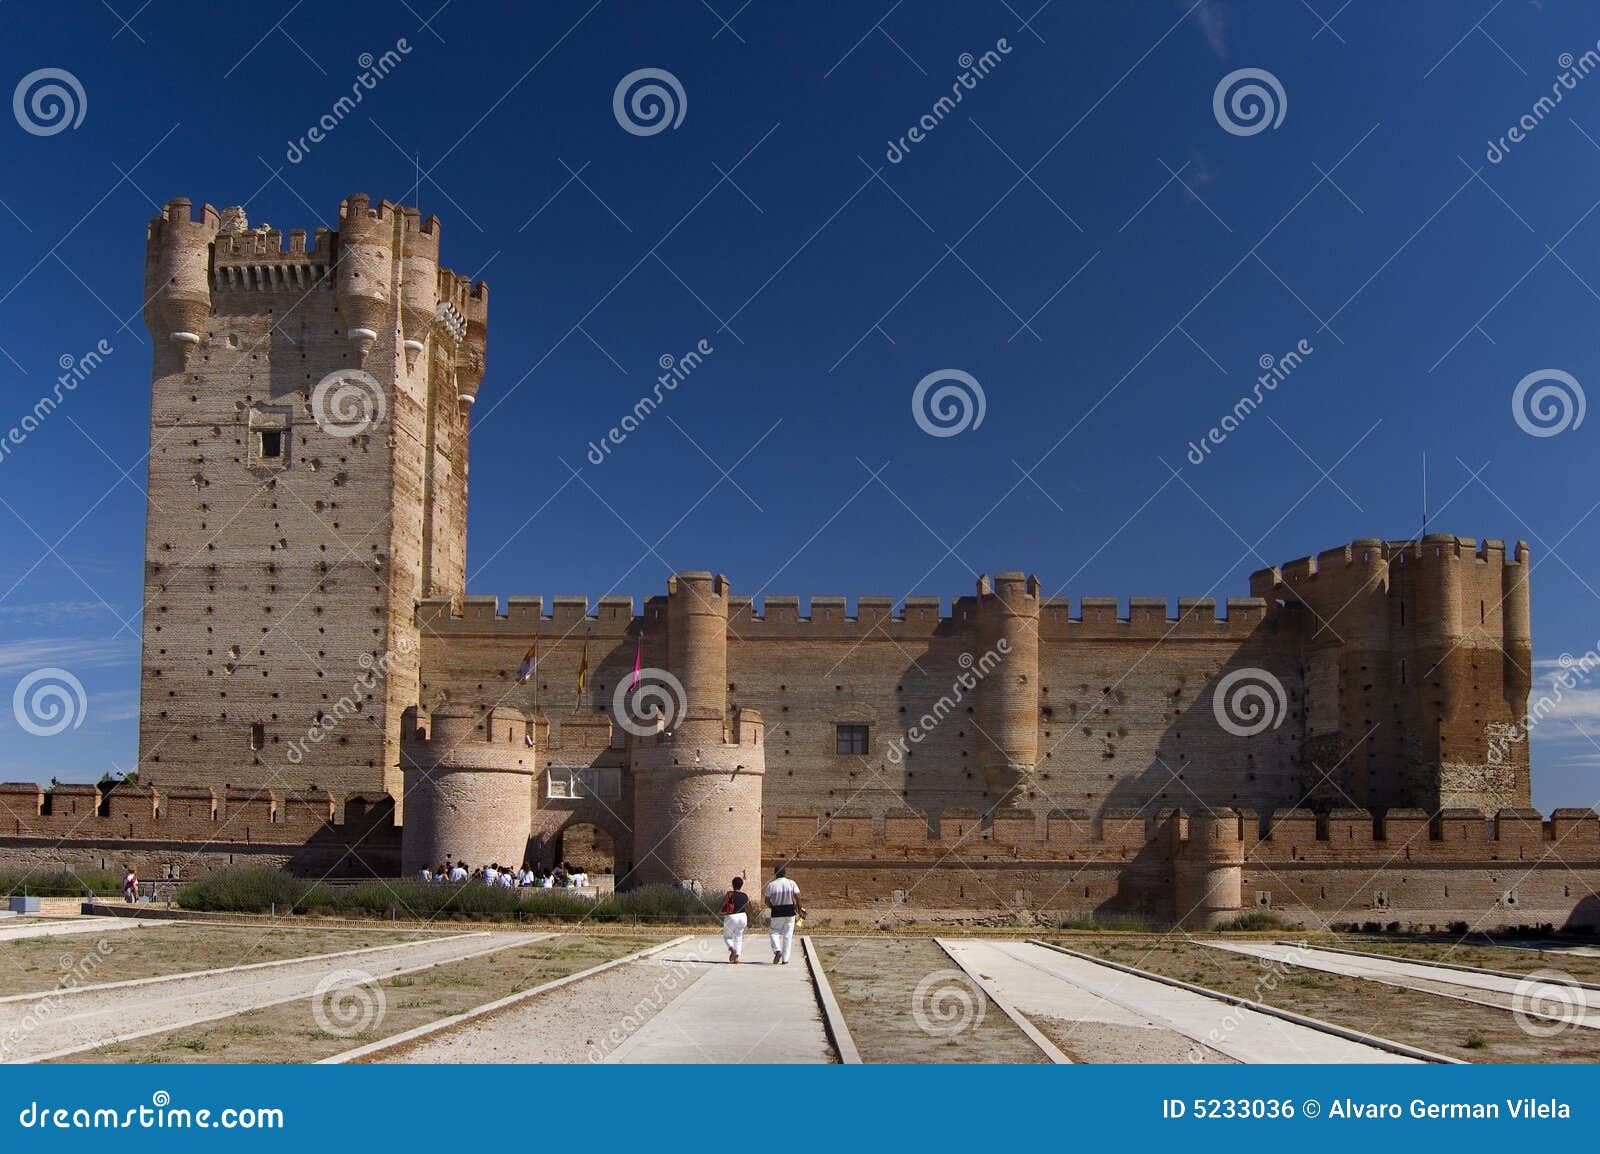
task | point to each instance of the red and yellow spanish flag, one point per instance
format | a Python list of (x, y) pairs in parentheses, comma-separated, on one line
[(583, 675)]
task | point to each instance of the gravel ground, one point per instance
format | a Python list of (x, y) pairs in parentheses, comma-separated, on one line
[(1103, 1042), (293, 1032), (582, 1022), (153, 949), (1452, 1028), (876, 980)]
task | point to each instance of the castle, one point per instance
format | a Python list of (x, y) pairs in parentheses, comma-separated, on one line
[(319, 691)]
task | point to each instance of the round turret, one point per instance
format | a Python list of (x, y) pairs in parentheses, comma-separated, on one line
[(1518, 659), (1008, 698), (177, 275), (364, 262), (419, 288), (1208, 870), (468, 792)]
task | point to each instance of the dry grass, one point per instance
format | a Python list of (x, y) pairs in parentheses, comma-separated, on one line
[(1442, 1025), (875, 981), (291, 1033), (33, 965)]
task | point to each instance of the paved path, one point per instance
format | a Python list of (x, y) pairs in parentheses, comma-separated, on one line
[(1568, 1001), (754, 1012), (28, 928), (1041, 981), (54, 1023)]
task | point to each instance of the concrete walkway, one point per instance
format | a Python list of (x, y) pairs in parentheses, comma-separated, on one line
[(1040, 981), (30, 928), (1571, 1003), (53, 1024), (754, 1012)]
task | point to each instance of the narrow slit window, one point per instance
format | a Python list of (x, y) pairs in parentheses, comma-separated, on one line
[(258, 735), (271, 444)]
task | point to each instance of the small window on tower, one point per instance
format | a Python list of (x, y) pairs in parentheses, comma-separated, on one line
[(271, 444), (851, 740), (258, 735)]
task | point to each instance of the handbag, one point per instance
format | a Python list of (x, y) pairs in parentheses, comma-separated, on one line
[(727, 905)]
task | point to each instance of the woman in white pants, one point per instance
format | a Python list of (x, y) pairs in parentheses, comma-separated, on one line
[(735, 919)]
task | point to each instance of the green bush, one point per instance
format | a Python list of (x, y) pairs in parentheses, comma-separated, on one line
[(1253, 920), (244, 891), (1120, 923), (61, 884)]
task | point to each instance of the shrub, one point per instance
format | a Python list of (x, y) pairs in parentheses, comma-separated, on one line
[(61, 884), (1120, 923), (244, 891), (1253, 920)]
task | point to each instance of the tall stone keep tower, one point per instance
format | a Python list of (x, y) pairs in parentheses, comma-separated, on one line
[(307, 484)]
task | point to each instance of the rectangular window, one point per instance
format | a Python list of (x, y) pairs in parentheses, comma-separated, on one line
[(258, 735), (575, 782), (851, 739), (271, 444)]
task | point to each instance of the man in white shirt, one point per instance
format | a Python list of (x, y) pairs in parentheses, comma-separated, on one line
[(459, 873), (783, 907)]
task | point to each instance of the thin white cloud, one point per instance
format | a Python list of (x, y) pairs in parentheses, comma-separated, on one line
[(50, 612), (1213, 21), (70, 653)]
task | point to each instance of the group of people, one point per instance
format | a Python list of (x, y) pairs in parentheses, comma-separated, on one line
[(784, 913), (565, 876)]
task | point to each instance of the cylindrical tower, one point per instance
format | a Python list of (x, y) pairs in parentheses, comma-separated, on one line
[(365, 264), (1208, 870), (177, 275), (1008, 698), (1518, 621), (697, 783), (419, 270), (468, 793)]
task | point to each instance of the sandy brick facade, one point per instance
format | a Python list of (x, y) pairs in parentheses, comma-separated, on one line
[(1347, 739)]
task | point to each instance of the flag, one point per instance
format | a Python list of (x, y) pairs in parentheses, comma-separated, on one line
[(638, 659), (530, 664), (583, 674)]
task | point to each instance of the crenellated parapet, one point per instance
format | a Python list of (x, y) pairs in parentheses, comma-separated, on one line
[(469, 778)]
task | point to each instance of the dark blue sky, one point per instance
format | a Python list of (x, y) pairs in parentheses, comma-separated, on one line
[(1080, 235)]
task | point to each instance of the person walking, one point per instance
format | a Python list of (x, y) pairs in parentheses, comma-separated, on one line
[(783, 905), (130, 886), (735, 920)]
